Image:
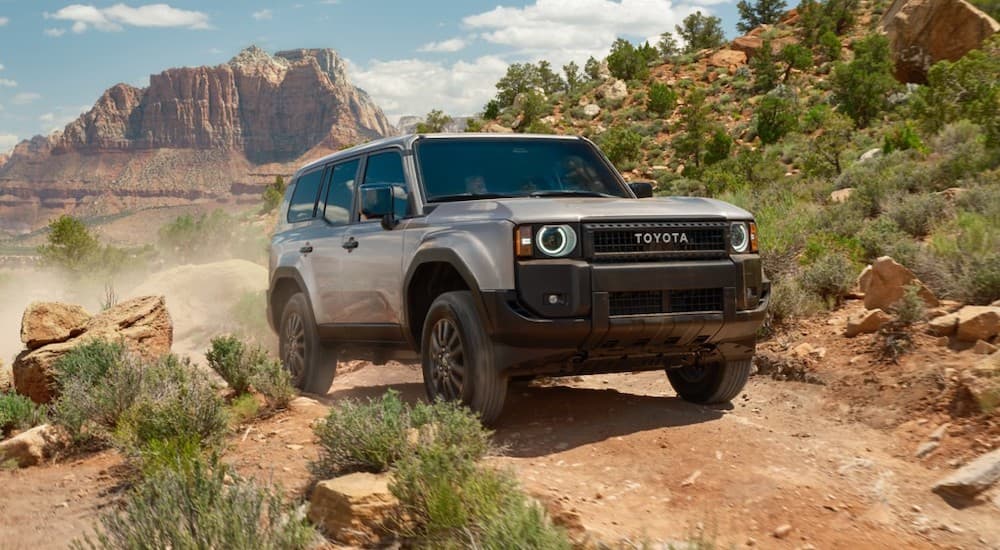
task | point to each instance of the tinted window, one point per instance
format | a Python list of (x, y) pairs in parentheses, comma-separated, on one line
[(340, 194), (459, 168), (303, 204), (388, 168)]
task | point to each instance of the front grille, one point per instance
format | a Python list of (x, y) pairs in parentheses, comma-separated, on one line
[(654, 241), (653, 302)]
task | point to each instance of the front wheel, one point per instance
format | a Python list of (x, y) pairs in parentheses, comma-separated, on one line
[(710, 383), (310, 364), (457, 357)]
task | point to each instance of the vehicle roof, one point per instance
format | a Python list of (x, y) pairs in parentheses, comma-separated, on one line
[(406, 142)]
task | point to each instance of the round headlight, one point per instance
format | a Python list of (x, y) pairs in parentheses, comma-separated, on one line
[(556, 240), (739, 237)]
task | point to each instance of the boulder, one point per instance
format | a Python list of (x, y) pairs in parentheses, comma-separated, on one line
[(354, 509), (866, 322), (48, 322), (971, 479), (591, 110), (886, 283), (944, 325), (615, 90), (31, 447), (841, 195), (493, 127), (984, 348), (982, 381), (977, 323), (923, 32), (870, 154), (142, 323), (727, 59), (747, 44)]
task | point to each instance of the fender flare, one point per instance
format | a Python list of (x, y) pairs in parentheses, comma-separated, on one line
[(450, 257), (285, 273)]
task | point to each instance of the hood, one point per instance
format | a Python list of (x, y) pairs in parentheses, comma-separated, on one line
[(575, 209)]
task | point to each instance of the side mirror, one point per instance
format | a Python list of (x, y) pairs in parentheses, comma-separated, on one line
[(378, 201), (641, 189)]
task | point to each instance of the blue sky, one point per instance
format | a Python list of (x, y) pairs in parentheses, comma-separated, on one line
[(57, 57)]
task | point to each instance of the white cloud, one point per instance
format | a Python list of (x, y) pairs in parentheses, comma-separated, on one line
[(414, 86), (116, 17), (4, 21), (451, 45), (7, 83), (7, 142), (563, 30), (47, 117), (25, 98), (262, 15), (55, 33), (1, 66)]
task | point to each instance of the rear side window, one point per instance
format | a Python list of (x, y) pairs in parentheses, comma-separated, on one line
[(388, 168), (340, 193), (303, 204)]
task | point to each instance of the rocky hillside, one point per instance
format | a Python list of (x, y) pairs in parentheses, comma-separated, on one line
[(194, 132)]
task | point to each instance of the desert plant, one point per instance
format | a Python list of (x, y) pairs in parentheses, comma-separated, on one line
[(916, 213), (621, 144), (910, 308), (18, 412), (202, 506), (862, 85), (273, 193), (435, 121), (789, 301), (626, 62), (830, 277), (700, 31), (662, 98), (760, 12), (775, 117), (274, 383), (230, 359), (97, 382)]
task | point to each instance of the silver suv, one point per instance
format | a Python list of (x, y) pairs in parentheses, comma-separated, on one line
[(493, 257)]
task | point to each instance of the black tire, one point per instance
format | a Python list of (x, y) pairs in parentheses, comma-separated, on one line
[(310, 363), (710, 383), (458, 359)]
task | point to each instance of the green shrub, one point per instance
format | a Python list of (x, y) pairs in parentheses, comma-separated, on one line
[(830, 277), (963, 261), (274, 383), (699, 32), (962, 151), (455, 503), (71, 246), (775, 117), (718, 146), (18, 412), (626, 62), (175, 408), (371, 436), (862, 85), (203, 506), (273, 193), (882, 237), (243, 408), (910, 308), (916, 213), (242, 365), (97, 382), (902, 137), (621, 145), (662, 99), (789, 301)]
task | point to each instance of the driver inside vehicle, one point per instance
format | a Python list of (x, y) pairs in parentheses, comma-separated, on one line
[(577, 175), (475, 185)]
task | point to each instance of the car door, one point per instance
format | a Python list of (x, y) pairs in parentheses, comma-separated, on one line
[(372, 265), (303, 229), (334, 212)]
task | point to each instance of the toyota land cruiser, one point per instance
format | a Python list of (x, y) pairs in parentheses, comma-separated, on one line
[(493, 256)]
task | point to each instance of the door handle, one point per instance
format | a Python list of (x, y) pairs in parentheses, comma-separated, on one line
[(350, 244), (306, 249)]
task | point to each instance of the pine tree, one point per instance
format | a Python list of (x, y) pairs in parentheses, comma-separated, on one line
[(700, 32), (573, 78), (861, 86), (761, 12)]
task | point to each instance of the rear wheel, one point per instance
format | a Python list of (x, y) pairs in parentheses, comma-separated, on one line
[(310, 363), (710, 383), (457, 357)]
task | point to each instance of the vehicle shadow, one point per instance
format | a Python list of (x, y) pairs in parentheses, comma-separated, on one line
[(539, 421)]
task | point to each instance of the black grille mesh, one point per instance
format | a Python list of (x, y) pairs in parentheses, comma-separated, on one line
[(623, 242), (651, 302)]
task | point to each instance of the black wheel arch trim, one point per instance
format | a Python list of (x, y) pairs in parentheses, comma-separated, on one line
[(450, 257), (280, 274)]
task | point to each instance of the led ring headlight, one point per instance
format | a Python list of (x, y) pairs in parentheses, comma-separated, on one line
[(556, 240), (739, 237)]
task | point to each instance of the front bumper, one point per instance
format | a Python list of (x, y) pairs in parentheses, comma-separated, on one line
[(588, 330)]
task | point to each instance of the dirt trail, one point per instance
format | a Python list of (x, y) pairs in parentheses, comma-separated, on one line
[(618, 455)]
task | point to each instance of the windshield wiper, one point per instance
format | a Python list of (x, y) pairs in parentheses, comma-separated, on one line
[(570, 193), (468, 196)]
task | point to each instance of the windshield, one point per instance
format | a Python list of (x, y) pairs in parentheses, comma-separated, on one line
[(465, 169)]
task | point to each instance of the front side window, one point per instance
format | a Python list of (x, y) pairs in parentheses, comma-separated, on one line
[(302, 206), (464, 169), (340, 193), (387, 168)]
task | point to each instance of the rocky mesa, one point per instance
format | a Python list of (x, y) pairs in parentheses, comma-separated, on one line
[(194, 132)]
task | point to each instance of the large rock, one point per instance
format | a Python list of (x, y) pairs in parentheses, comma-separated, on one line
[(866, 322), (944, 325), (727, 59), (31, 447), (885, 283), (48, 322), (923, 32), (747, 44), (354, 509), (142, 323), (982, 381), (971, 479), (591, 110), (977, 323), (616, 90)]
